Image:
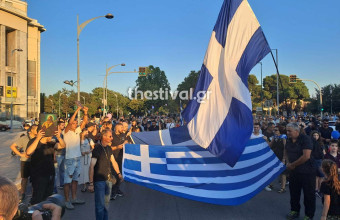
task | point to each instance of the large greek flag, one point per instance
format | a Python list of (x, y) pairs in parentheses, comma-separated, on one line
[(194, 173), (223, 123)]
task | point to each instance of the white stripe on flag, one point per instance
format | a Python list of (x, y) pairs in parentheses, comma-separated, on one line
[(189, 154)]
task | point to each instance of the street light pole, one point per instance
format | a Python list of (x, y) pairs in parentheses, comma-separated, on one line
[(83, 98), (277, 82), (19, 50), (80, 27), (105, 85), (117, 104), (59, 103), (261, 88), (331, 91)]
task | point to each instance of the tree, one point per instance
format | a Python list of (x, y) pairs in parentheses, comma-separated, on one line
[(330, 100), (188, 83), (291, 91), (154, 81), (255, 90)]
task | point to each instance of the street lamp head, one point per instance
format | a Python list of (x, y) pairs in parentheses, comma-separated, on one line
[(109, 16), (123, 64), (71, 83)]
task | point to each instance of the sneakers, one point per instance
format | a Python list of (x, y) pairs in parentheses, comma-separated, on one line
[(293, 215), (69, 205), (268, 189), (113, 197), (77, 201), (60, 187), (120, 193), (281, 190), (306, 218)]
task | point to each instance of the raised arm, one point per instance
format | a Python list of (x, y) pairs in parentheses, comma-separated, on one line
[(86, 117), (61, 141), (30, 149), (68, 127)]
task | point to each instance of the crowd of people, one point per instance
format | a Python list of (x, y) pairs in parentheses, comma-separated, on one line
[(89, 154), (309, 149)]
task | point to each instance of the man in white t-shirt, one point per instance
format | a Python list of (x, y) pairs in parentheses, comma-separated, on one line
[(72, 158), (256, 132)]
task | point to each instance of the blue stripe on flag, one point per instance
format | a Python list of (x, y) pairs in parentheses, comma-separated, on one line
[(202, 84), (238, 125), (163, 170), (133, 165), (256, 49), (179, 134), (226, 14), (131, 149)]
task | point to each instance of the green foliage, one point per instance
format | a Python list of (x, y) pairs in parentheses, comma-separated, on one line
[(330, 99), (290, 91), (153, 82), (188, 83)]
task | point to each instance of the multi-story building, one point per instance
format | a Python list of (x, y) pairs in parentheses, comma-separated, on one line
[(19, 61)]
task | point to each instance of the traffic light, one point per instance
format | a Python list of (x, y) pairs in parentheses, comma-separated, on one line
[(292, 79), (143, 71), (322, 109)]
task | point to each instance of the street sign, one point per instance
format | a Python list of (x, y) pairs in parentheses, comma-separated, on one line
[(9, 91), (268, 103)]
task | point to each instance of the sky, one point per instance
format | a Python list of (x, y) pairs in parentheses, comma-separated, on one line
[(174, 35)]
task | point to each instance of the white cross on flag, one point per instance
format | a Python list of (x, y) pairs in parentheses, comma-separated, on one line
[(223, 122)]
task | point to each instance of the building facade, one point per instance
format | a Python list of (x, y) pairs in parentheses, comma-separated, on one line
[(19, 61)]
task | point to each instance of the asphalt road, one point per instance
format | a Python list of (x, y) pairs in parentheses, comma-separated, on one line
[(141, 203)]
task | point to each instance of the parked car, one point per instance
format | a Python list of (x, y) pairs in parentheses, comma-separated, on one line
[(4, 127)]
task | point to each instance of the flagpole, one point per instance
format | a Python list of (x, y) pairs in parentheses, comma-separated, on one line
[(278, 74)]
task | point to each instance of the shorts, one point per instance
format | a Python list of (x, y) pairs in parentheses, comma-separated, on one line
[(72, 168), (319, 172), (25, 169)]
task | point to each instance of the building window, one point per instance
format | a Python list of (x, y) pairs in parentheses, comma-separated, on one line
[(32, 78), (9, 46), (9, 81)]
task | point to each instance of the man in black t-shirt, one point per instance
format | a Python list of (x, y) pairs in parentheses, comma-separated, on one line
[(154, 126), (119, 139), (99, 173), (41, 150), (303, 171), (326, 132)]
